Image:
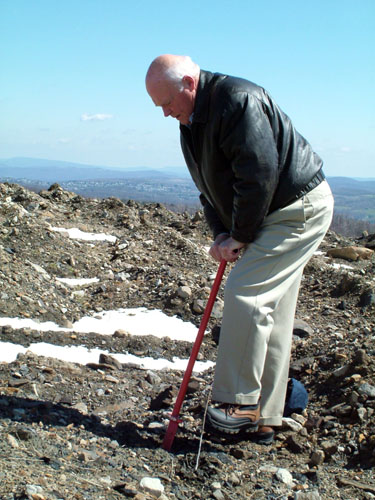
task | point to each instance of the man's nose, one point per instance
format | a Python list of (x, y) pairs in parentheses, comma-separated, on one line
[(166, 111)]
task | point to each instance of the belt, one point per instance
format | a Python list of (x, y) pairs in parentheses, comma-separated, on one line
[(315, 181)]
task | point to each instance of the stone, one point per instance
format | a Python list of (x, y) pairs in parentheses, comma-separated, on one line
[(34, 492), (199, 306), (302, 329), (152, 485), (307, 495), (184, 292), (284, 476), (85, 456), (234, 479), (362, 414), (24, 434), (295, 444), (289, 423), (218, 495), (351, 253), (360, 358), (215, 486), (120, 334), (110, 360), (299, 418), (81, 407), (217, 310), (237, 453), (341, 372), (153, 378), (317, 457), (158, 426), (65, 323), (329, 447), (12, 441), (193, 387), (367, 389)]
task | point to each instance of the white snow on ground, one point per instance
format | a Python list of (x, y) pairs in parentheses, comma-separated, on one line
[(138, 321), (340, 266), (34, 325), (75, 233), (135, 321), (334, 265), (77, 281), (82, 355)]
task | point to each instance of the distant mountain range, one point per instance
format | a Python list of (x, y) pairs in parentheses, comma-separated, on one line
[(354, 197), (341, 185), (60, 171)]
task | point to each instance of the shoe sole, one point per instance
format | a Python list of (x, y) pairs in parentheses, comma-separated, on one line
[(248, 427), (266, 438)]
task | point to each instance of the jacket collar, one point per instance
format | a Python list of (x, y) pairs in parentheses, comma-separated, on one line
[(202, 98), (206, 83)]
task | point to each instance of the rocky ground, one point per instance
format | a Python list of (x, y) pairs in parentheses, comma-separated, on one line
[(72, 431)]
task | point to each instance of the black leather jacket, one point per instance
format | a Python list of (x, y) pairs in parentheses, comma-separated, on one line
[(244, 155)]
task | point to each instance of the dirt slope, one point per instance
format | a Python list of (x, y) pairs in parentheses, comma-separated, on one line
[(70, 431)]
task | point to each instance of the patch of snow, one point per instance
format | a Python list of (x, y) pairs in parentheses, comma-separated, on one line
[(136, 321), (340, 266), (75, 233), (77, 281), (82, 355), (34, 325)]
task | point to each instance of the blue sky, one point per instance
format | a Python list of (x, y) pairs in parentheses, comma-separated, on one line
[(72, 74)]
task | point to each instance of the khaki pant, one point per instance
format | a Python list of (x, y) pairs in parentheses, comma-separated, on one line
[(259, 305)]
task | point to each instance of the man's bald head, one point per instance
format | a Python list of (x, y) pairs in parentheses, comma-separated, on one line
[(172, 82), (169, 67)]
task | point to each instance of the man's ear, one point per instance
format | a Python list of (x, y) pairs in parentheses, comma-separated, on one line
[(189, 82)]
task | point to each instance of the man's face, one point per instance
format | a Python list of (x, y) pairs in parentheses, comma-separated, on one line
[(175, 103)]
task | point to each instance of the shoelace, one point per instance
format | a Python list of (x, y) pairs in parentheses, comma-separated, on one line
[(230, 409)]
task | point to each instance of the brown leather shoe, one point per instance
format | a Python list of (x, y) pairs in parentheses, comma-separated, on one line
[(232, 418)]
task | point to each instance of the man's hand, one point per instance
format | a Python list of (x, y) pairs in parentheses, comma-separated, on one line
[(225, 247)]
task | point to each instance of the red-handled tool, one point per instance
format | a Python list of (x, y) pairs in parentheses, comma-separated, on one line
[(174, 417)]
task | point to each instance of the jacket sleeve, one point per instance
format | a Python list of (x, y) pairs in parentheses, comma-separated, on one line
[(247, 141), (213, 220)]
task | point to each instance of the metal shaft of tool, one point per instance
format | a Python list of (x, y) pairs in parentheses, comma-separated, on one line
[(174, 418)]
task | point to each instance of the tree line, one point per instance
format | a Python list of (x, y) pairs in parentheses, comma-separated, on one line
[(350, 227)]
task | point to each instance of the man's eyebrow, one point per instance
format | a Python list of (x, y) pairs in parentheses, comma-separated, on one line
[(163, 104)]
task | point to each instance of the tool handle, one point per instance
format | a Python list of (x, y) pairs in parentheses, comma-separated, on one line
[(173, 424)]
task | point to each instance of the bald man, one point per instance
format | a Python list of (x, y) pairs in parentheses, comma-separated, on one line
[(269, 206)]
